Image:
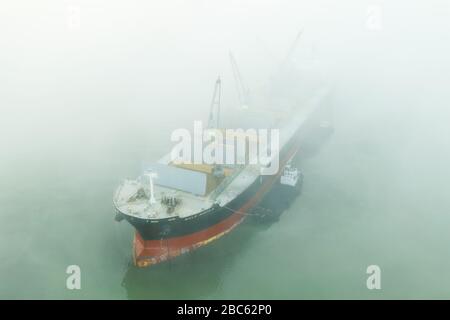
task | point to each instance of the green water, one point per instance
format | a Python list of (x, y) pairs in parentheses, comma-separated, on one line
[(367, 199), (80, 111)]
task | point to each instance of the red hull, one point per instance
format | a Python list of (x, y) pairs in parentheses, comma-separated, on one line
[(149, 252)]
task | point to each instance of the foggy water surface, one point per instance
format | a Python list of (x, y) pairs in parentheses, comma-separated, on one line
[(81, 106)]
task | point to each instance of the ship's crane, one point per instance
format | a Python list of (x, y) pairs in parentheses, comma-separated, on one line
[(288, 59), (242, 91), (214, 111)]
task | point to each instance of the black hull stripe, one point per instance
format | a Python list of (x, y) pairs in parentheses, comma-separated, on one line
[(151, 229)]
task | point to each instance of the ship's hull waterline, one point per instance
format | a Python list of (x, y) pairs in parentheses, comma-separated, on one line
[(174, 236), (155, 242)]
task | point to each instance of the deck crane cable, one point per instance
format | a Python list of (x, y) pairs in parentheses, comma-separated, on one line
[(242, 90), (215, 104), (288, 59), (245, 213)]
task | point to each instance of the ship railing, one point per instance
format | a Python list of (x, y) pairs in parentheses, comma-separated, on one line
[(225, 183)]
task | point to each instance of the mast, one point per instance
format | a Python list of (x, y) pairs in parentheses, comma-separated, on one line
[(151, 175)]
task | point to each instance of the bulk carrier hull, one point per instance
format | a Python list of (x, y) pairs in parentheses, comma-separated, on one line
[(158, 240), (161, 241)]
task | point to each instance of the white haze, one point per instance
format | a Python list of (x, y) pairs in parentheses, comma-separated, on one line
[(135, 70)]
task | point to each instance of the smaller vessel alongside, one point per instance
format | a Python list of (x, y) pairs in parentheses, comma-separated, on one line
[(177, 206)]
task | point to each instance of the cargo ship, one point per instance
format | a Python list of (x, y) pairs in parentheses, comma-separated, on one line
[(176, 207)]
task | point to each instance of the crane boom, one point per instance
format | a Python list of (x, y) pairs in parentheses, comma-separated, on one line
[(213, 120), (291, 51), (242, 90)]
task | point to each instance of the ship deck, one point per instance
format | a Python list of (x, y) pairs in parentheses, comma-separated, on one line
[(128, 203)]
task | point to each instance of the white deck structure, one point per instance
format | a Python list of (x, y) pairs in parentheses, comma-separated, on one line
[(132, 196)]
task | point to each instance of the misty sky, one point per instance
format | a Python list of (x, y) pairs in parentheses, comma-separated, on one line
[(90, 88), (67, 65)]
